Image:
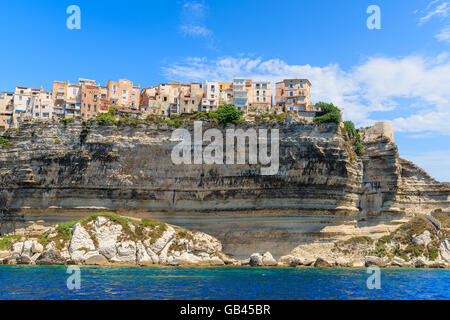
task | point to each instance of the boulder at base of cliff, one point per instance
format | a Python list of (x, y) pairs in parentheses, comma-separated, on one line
[(268, 260), (97, 259), (374, 261), (23, 260), (50, 257), (256, 259), (321, 263), (399, 262)]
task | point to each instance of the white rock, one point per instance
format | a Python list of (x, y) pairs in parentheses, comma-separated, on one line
[(424, 238), (216, 261), (256, 259), (398, 262), (37, 247), (444, 250), (165, 238), (205, 242), (163, 255), (100, 221), (142, 257), (268, 260), (126, 252), (27, 246), (150, 252), (18, 247), (107, 232), (80, 239), (187, 258), (35, 256)]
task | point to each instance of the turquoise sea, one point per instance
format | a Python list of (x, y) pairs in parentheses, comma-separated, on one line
[(49, 282)]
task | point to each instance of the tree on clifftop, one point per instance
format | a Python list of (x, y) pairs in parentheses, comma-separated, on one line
[(328, 113), (227, 114)]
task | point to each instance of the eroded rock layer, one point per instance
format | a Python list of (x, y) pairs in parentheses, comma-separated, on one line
[(322, 191)]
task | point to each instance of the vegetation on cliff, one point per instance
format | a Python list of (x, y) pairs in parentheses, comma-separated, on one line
[(329, 113), (416, 239), (5, 142)]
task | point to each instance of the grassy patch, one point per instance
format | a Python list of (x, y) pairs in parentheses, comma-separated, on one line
[(359, 240), (416, 226), (6, 243)]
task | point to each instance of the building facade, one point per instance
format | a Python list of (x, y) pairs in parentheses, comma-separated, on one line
[(293, 95), (260, 97), (123, 93), (241, 89), (23, 97), (6, 109), (172, 97), (225, 93), (41, 106), (210, 99)]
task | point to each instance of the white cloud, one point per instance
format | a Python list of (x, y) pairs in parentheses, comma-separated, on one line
[(378, 84), (436, 8), (193, 16), (444, 35), (195, 31)]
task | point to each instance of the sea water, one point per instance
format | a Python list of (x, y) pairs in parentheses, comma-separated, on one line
[(50, 282)]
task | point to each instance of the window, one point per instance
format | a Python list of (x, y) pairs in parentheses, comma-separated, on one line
[(89, 107), (291, 93), (124, 92), (74, 91), (132, 97), (45, 115), (281, 99), (37, 114), (264, 99)]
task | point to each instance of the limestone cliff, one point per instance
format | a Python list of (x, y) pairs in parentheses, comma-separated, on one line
[(322, 191)]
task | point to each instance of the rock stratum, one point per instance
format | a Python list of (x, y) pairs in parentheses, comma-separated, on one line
[(322, 193)]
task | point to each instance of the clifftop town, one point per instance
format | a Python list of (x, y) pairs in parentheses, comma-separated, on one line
[(87, 99)]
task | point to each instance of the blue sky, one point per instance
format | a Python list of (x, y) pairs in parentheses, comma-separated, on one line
[(399, 73)]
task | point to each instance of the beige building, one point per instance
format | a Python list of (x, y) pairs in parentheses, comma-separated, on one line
[(293, 95), (123, 93), (6, 109), (260, 97), (210, 99), (241, 92), (41, 106), (225, 93), (172, 97), (23, 97), (67, 97)]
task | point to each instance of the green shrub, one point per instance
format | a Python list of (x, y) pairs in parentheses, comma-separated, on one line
[(106, 119), (328, 113), (227, 114), (432, 253), (359, 240), (5, 142), (353, 133), (57, 140)]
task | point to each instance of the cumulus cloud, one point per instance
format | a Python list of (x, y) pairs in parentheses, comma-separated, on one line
[(376, 85)]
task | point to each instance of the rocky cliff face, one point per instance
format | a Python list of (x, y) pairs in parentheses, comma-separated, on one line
[(322, 191)]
